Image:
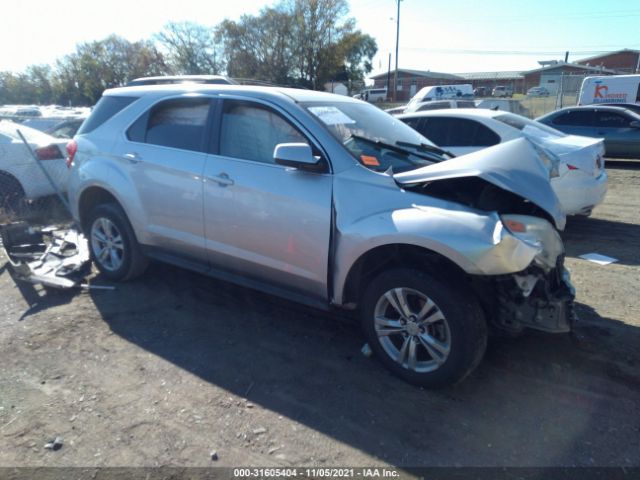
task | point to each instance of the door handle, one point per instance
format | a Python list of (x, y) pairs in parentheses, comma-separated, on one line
[(223, 180), (133, 157)]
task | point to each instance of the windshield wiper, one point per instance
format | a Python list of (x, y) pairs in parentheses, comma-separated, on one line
[(426, 147), (398, 147)]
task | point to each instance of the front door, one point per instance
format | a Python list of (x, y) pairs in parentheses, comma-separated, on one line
[(264, 221)]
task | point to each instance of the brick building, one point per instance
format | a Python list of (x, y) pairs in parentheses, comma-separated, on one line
[(622, 61), (567, 75), (410, 81)]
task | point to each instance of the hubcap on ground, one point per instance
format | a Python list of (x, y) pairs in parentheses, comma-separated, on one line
[(412, 330)]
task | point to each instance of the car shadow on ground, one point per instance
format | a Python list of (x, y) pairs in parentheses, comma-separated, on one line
[(37, 297), (594, 235), (534, 400)]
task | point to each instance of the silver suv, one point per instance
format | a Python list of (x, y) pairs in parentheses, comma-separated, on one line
[(328, 201)]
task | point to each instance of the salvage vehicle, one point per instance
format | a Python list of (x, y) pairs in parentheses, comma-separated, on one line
[(21, 178), (328, 201), (578, 176)]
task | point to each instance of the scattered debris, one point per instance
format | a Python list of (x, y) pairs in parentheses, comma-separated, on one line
[(274, 450), (55, 444), (214, 455), (52, 256), (366, 350), (259, 431), (599, 259)]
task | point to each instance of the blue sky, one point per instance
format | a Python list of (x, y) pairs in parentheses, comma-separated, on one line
[(444, 36)]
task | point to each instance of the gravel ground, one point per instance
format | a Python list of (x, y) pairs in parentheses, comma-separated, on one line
[(167, 369)]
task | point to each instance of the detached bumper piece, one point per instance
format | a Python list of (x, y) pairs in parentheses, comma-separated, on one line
[(52, 256), (538, 300)]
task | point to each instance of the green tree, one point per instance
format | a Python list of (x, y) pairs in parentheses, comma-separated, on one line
[(258, 47), (81, 77)]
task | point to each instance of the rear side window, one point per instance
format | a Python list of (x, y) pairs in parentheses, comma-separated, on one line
[(611, 120), (176, 123), (580, 118), (458, 132), (106, 108)]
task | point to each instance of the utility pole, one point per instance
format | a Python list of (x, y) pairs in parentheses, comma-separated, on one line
[(389, 76), (395, 74)]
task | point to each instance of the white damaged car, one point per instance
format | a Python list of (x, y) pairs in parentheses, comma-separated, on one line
[(578, 176)]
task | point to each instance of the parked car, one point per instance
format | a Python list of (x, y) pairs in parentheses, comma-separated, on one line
[(579, 180), (328, 201), (66, 128), (372, 95), (20, 176), (502, 91), (634, 107), (619, 127), (432, 105), (504, 105), (481, 92), (537, 92)]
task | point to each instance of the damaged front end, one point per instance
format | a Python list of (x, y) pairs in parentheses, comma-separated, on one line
[(533, 299), (539, 297), (511, 181)]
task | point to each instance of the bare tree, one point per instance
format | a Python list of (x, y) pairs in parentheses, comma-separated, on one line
[(190, 48)]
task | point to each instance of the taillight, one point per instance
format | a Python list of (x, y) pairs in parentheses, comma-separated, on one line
[(72, 148), (571, 167), (50, 152)]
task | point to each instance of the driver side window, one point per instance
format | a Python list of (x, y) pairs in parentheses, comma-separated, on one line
[(250, 131)]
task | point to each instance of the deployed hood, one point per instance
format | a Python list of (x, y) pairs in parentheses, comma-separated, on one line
[(513, 166)]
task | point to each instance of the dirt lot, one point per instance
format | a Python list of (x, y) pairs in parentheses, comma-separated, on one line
[(166, 369)]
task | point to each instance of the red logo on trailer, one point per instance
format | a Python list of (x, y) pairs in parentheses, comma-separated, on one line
[(601, 88)]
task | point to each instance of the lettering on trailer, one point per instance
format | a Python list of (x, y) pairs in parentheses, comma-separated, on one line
[(601, 95)]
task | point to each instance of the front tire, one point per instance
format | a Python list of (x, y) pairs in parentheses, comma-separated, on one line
[(425, 330), (113, 244)]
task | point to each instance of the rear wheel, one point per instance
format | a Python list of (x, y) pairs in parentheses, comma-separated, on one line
[(422, 328), (12, 197), (113, 245)]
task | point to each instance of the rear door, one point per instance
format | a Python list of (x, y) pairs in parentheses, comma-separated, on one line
[(165, 153), (264, 221)]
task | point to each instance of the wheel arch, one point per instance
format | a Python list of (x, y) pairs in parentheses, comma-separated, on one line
[(384, 257), (92, 197)]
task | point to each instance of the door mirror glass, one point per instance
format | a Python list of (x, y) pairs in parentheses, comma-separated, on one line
[(635, 124), (297, 155)]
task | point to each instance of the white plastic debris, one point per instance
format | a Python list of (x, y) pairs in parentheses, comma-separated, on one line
[(599, 259), (366, 350)]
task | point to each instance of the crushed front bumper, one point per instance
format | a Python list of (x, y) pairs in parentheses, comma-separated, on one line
[(535, 299)]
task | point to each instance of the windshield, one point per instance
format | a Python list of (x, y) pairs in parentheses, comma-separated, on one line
[(374, 138), (529, 126)]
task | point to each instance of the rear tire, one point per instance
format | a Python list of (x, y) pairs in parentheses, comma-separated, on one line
[(113, 245), (424, 329), (12, 197)]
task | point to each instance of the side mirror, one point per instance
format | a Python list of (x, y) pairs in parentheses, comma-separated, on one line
[(297, 155), (635, 124)]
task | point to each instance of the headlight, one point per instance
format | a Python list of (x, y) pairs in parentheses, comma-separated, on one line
[(536, 231), (550, 159)]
